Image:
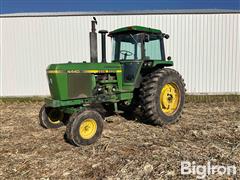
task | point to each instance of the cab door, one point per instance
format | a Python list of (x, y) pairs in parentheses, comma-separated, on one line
[(128, 50), (130, 58)]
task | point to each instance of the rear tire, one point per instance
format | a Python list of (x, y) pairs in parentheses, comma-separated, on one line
[(84, 128), (51, 117), (162, 96)]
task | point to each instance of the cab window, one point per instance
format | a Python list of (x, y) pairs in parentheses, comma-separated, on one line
[(153, 48)]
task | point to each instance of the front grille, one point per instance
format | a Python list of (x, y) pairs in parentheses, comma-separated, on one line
[(80, 85)]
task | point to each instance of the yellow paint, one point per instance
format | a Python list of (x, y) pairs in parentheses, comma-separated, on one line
[(170, 98), (55, 116), (82, 71), (102, 71), (88, 128), (55, 71)]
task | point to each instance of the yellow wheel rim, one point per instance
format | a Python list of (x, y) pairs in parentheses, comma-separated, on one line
[(88, 128), (169, 98), (55, 116)]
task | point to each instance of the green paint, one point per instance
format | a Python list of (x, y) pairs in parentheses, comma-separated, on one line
[(164, 63), (73, 86), (135, 28), (84, 66), (58, 86)]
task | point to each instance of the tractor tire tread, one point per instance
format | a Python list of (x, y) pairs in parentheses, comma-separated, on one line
[(148, 90)]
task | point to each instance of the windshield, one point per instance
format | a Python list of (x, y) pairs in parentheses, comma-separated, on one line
[(127, 47)]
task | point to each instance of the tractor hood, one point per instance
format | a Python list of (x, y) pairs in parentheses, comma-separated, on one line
[(84, 68), (77, 80)]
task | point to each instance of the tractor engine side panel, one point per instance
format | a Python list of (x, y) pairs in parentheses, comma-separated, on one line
[(58, 85)]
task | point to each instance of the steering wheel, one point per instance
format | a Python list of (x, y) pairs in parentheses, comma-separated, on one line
[(126, 53)]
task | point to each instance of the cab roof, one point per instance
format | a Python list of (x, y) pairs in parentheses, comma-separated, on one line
[(136, 29)]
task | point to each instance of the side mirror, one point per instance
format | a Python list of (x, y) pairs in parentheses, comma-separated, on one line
[(169, 58)]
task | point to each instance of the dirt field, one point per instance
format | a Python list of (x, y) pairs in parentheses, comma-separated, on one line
[(127, 149)]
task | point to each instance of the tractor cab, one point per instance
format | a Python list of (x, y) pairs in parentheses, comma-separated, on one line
[(136, 46)]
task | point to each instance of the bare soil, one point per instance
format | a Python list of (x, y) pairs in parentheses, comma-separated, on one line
[(128, 149)]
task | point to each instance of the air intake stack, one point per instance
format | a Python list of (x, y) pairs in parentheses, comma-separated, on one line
[(103, 35)]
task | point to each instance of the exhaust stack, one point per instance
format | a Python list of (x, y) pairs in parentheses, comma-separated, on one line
[(103, 35), (93, 42)]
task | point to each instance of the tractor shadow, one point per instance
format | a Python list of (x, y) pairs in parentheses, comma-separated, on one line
[(136, 116)]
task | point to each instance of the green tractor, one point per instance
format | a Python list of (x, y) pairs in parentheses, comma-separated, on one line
[(137, 77)]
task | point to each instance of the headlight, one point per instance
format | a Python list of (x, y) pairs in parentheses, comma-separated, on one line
[(148, 64)]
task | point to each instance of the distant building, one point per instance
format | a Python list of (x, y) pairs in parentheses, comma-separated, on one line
[(204, 44)]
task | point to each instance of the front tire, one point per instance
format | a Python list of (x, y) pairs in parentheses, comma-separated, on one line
[(51, 117), (163, 96), (84, 128)]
